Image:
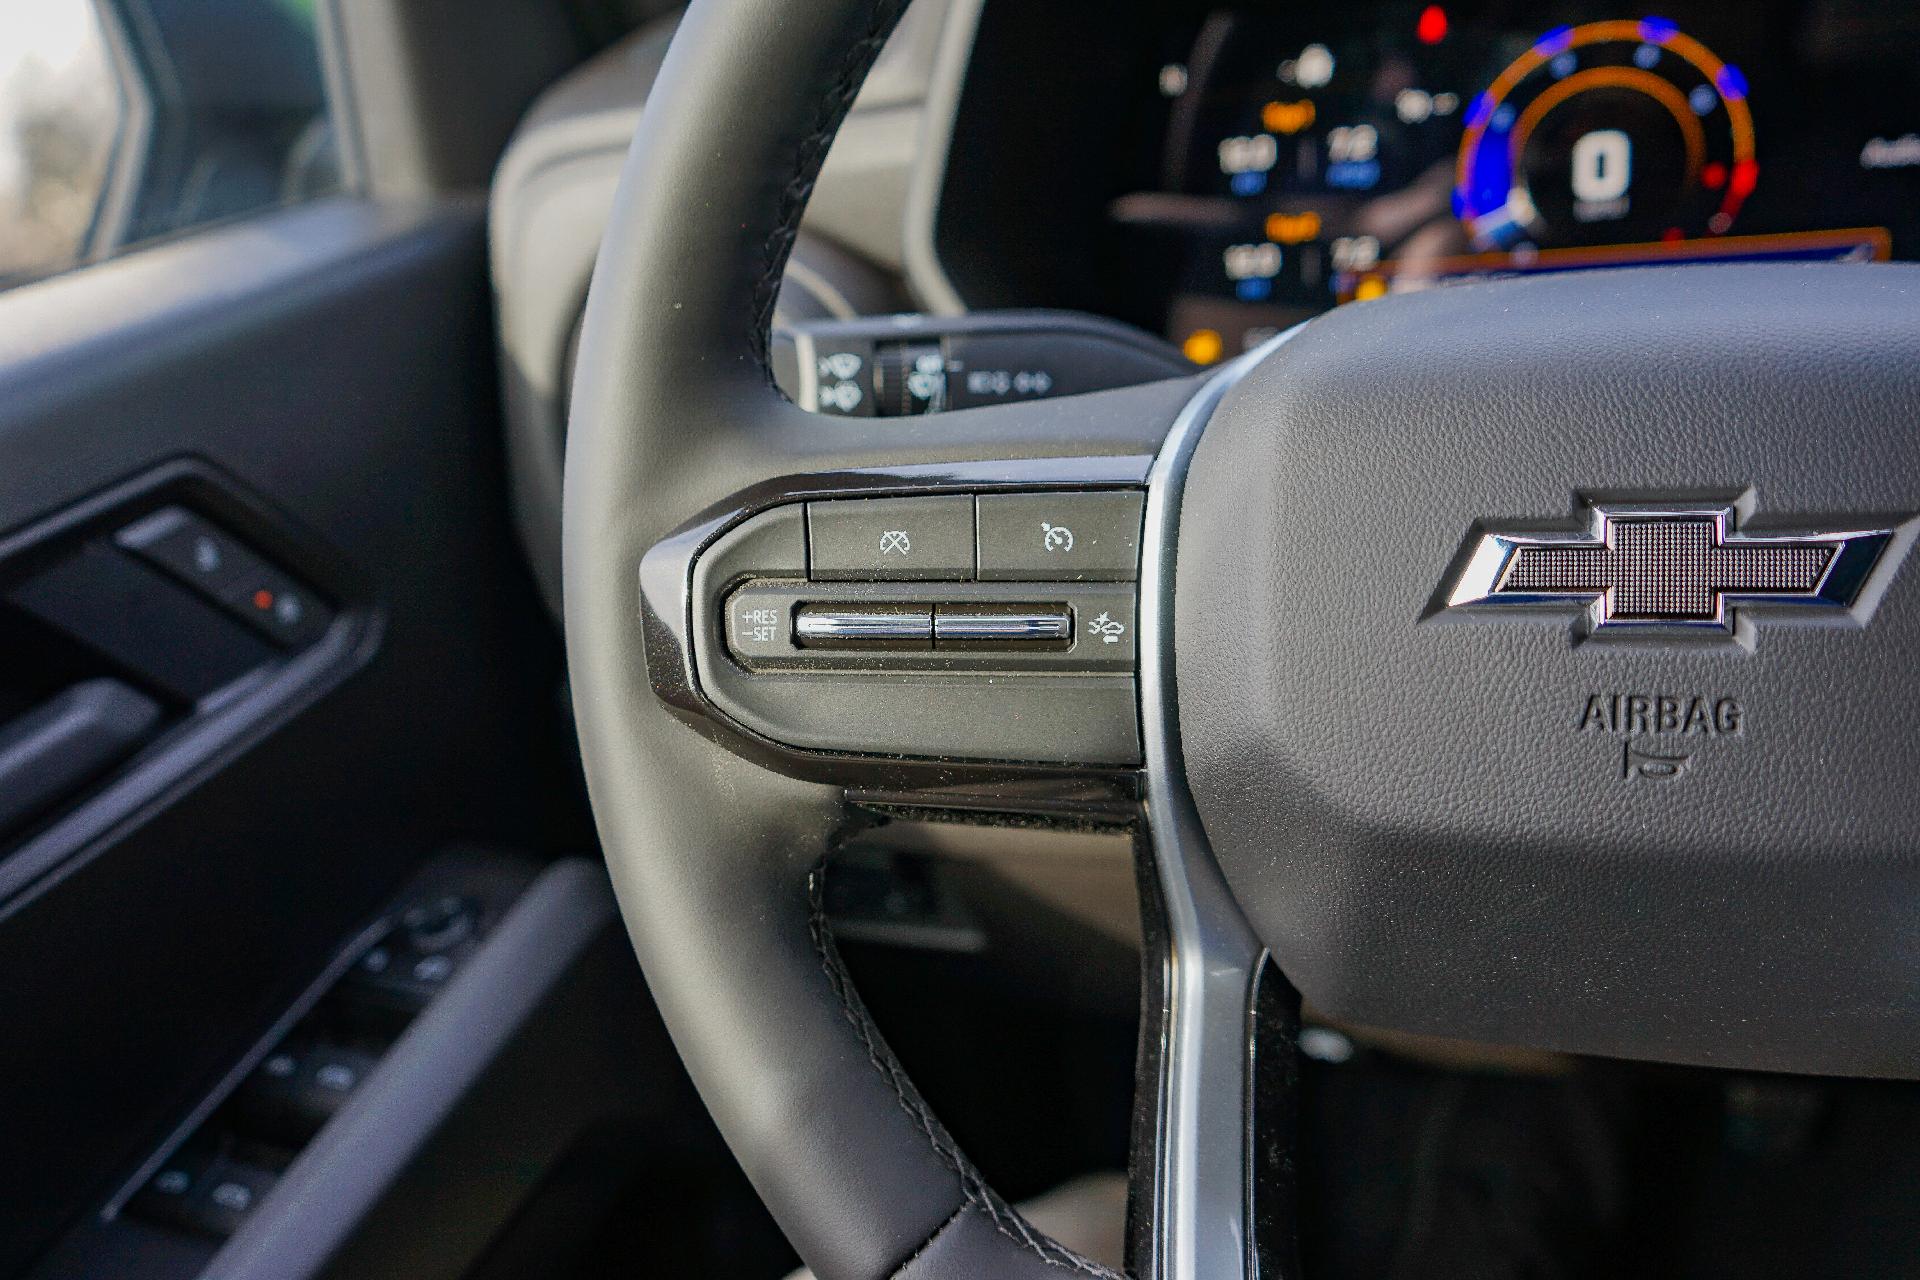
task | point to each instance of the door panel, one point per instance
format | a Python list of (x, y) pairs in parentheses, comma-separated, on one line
[(331, 365)]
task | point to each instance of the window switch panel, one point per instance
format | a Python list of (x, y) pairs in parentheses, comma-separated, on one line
[(223, 569)]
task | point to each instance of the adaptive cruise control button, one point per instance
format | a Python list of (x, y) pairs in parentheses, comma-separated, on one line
[(1061, 537), (877, 539)]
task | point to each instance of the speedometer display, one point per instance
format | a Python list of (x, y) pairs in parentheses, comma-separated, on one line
[(1322, 155), (1605, 131)]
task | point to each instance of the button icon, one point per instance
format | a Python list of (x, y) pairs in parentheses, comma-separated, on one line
[(844, 396), (336, 1077), (237, 1196), (928, 381), (432, 969), (758, 624), (893, 539), (841, 365), (1106, 628), (1050, 537)]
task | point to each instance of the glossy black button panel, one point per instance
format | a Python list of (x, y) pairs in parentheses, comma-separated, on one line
[(1056, 536), (315, 1064), (223, 569), (775, 624), (864, 626), (203, 1192), (975, 698)]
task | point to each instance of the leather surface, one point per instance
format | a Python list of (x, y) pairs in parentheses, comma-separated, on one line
[(1410, 811), (712, 857), (974, 1243), (546, 213), (1087, 1215)]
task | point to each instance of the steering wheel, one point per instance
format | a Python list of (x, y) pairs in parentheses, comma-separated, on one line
[(1526, 662)]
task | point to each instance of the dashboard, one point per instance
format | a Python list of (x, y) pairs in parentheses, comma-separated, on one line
[(1219, 173)]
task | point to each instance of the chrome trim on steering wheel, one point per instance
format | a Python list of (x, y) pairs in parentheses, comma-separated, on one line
[(1202, 1148)]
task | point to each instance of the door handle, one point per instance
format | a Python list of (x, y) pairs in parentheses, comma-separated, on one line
[(50, 752)]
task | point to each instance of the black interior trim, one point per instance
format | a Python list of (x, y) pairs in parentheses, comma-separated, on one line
[(336, 359)]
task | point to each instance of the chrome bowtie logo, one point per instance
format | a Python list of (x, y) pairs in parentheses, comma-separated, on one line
[(1677, 568)]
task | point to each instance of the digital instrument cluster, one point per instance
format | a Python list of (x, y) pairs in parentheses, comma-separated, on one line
[(1323, 155)]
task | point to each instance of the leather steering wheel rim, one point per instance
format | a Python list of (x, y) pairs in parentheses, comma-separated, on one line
[(716, 861)]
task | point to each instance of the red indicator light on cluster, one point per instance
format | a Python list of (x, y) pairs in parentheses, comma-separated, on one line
[(1745, 174), (1431, 26), (263, 599), (1713, 175)]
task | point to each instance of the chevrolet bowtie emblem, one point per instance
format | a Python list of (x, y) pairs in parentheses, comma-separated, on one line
[(1656, 569)]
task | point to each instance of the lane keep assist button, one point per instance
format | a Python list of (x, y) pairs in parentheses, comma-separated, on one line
[(891, 539)]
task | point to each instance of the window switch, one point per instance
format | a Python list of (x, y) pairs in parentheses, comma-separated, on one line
[(221, 568), (193, 550), (440, 923), (266, 1099), (227, 1193), (277, 607), (168, 1194), (327, 1079)]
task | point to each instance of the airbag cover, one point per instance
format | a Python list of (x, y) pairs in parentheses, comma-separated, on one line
[(1456, 822)]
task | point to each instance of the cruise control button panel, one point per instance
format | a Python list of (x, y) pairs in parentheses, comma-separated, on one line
[(962, 625), (778, 624)]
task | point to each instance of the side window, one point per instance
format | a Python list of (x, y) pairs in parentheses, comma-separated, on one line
[(126, 120), (59, 114)]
